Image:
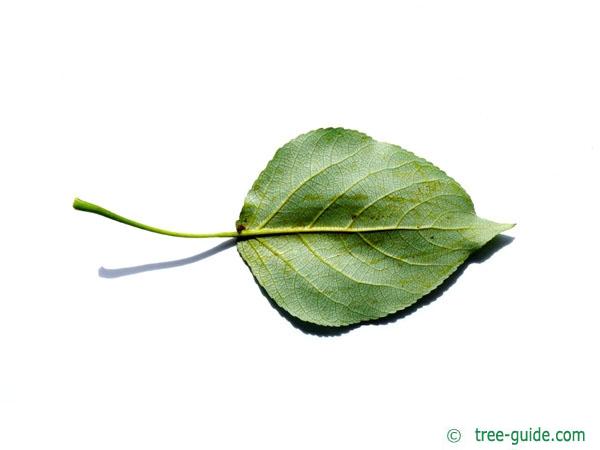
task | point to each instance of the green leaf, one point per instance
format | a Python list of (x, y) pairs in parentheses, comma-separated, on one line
[(360, 228), (340, 228)]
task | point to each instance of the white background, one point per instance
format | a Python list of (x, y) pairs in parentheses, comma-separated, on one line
[(167, 111)]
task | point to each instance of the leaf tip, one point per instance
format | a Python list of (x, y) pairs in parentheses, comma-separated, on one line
[(507, 226), (498, 228)]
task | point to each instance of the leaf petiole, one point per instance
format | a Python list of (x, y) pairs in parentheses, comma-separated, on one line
[(82, 205)]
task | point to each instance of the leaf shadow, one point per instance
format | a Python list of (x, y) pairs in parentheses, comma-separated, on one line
[(125, 271), (481, 255)]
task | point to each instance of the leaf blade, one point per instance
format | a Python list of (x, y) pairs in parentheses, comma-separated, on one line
[(404, 226)]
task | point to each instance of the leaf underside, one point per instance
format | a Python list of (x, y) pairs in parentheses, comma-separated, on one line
[(372, 227)]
